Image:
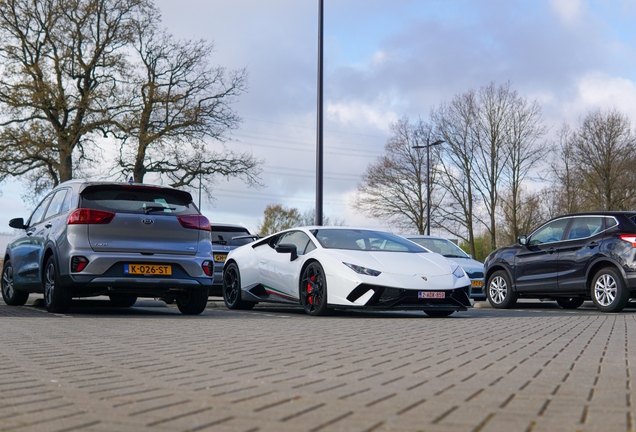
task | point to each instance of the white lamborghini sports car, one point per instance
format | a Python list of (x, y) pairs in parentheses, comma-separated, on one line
[(324, 268)]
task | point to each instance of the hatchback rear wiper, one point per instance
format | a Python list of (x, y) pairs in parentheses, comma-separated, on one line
[(148, 207)]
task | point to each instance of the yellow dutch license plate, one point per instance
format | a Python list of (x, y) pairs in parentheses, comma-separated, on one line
[(148, 269), (220, 257), (477, 283)]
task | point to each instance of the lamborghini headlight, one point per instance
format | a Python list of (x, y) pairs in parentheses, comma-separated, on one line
[(459, 272), (362, 270)]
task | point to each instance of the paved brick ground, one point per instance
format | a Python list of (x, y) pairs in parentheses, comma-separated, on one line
[(151, 369)]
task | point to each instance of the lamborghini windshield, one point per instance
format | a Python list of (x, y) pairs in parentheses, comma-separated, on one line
[(365, 240)]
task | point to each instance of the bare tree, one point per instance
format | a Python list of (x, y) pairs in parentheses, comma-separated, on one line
[(454, 122), (394, 187), (309, 217), (563, 194), (61, 62), (526, 150), (604, 152), (179, 102)]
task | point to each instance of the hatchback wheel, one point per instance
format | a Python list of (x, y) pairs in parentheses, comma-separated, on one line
[(609, 293), (499, 291), (313, 290), (232, 289), (57, 297), (194, 302), (9, 294)]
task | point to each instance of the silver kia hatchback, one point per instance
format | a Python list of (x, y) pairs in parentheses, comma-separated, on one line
[(122, 240)]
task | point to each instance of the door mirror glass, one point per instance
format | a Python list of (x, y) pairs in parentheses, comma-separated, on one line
[(522, 240)]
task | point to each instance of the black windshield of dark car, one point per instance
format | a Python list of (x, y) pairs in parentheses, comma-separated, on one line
[(229, 236)]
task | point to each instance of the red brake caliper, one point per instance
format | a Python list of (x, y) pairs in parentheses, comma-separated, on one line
[(310, 299)]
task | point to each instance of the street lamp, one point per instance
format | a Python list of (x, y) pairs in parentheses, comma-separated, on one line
[(428, 181)]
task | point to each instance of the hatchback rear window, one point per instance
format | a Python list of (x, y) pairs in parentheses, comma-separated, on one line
[(231, 236), (136, 199)]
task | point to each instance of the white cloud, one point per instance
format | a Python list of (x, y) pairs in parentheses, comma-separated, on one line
[(568, 11), (600, 90), (356, 113)]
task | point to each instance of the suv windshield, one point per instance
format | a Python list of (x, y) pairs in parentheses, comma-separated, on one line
[(231, 236), (138, 199), (441, 246)]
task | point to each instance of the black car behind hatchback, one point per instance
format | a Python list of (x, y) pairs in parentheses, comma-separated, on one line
[(569, 259)]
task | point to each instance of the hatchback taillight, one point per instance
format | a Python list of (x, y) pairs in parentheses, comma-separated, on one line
[(78, 263), (83, 216), (208, 267), (199, 222), (629, 238)]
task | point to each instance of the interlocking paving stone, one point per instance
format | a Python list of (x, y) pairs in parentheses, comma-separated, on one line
[(275, 369)]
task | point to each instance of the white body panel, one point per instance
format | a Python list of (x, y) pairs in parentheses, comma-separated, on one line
[(260, 264)]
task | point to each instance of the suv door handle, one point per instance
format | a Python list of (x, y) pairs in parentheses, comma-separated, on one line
[(48, 225), (592, 245), (551, 250)]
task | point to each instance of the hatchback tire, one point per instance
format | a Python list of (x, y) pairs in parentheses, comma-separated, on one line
[(10, 296), (499, 291), (608, 291), (193, 303), (57, 297)]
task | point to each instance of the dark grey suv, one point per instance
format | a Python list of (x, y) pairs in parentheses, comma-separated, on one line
[(116, 239)]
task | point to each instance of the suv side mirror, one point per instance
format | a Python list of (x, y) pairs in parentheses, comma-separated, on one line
[(17, 223), (522, 240), (288, 248)]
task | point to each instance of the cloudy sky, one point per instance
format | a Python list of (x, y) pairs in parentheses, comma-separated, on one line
[(385, 59)]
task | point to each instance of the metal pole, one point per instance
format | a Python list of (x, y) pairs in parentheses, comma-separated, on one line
[(319, 147), (428, 188)]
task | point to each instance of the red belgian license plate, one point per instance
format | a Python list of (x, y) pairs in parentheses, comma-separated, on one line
[(431, 294)]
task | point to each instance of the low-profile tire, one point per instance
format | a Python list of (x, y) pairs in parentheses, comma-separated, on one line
[(232, 289), (194, 302), (499, 291), (313, 290), (122, 300), (570, 302), (438, 313), (57, 297), (9, 294), (608, 290)]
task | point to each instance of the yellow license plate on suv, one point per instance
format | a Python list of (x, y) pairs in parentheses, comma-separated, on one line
[(220, 257), (148, 269), (477, 283)]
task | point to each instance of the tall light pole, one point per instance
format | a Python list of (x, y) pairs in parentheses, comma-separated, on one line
[(319, 149), (428, 180)]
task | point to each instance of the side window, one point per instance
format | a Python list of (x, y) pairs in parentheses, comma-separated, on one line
[(36, 217), (298, 239), (549, 233), (610, 222), (583, 227), (56, 203)]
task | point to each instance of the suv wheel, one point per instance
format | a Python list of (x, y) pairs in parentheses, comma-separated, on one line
[(9, 294), (57, 298), (499, 291), (609, 293), (194, 302)]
